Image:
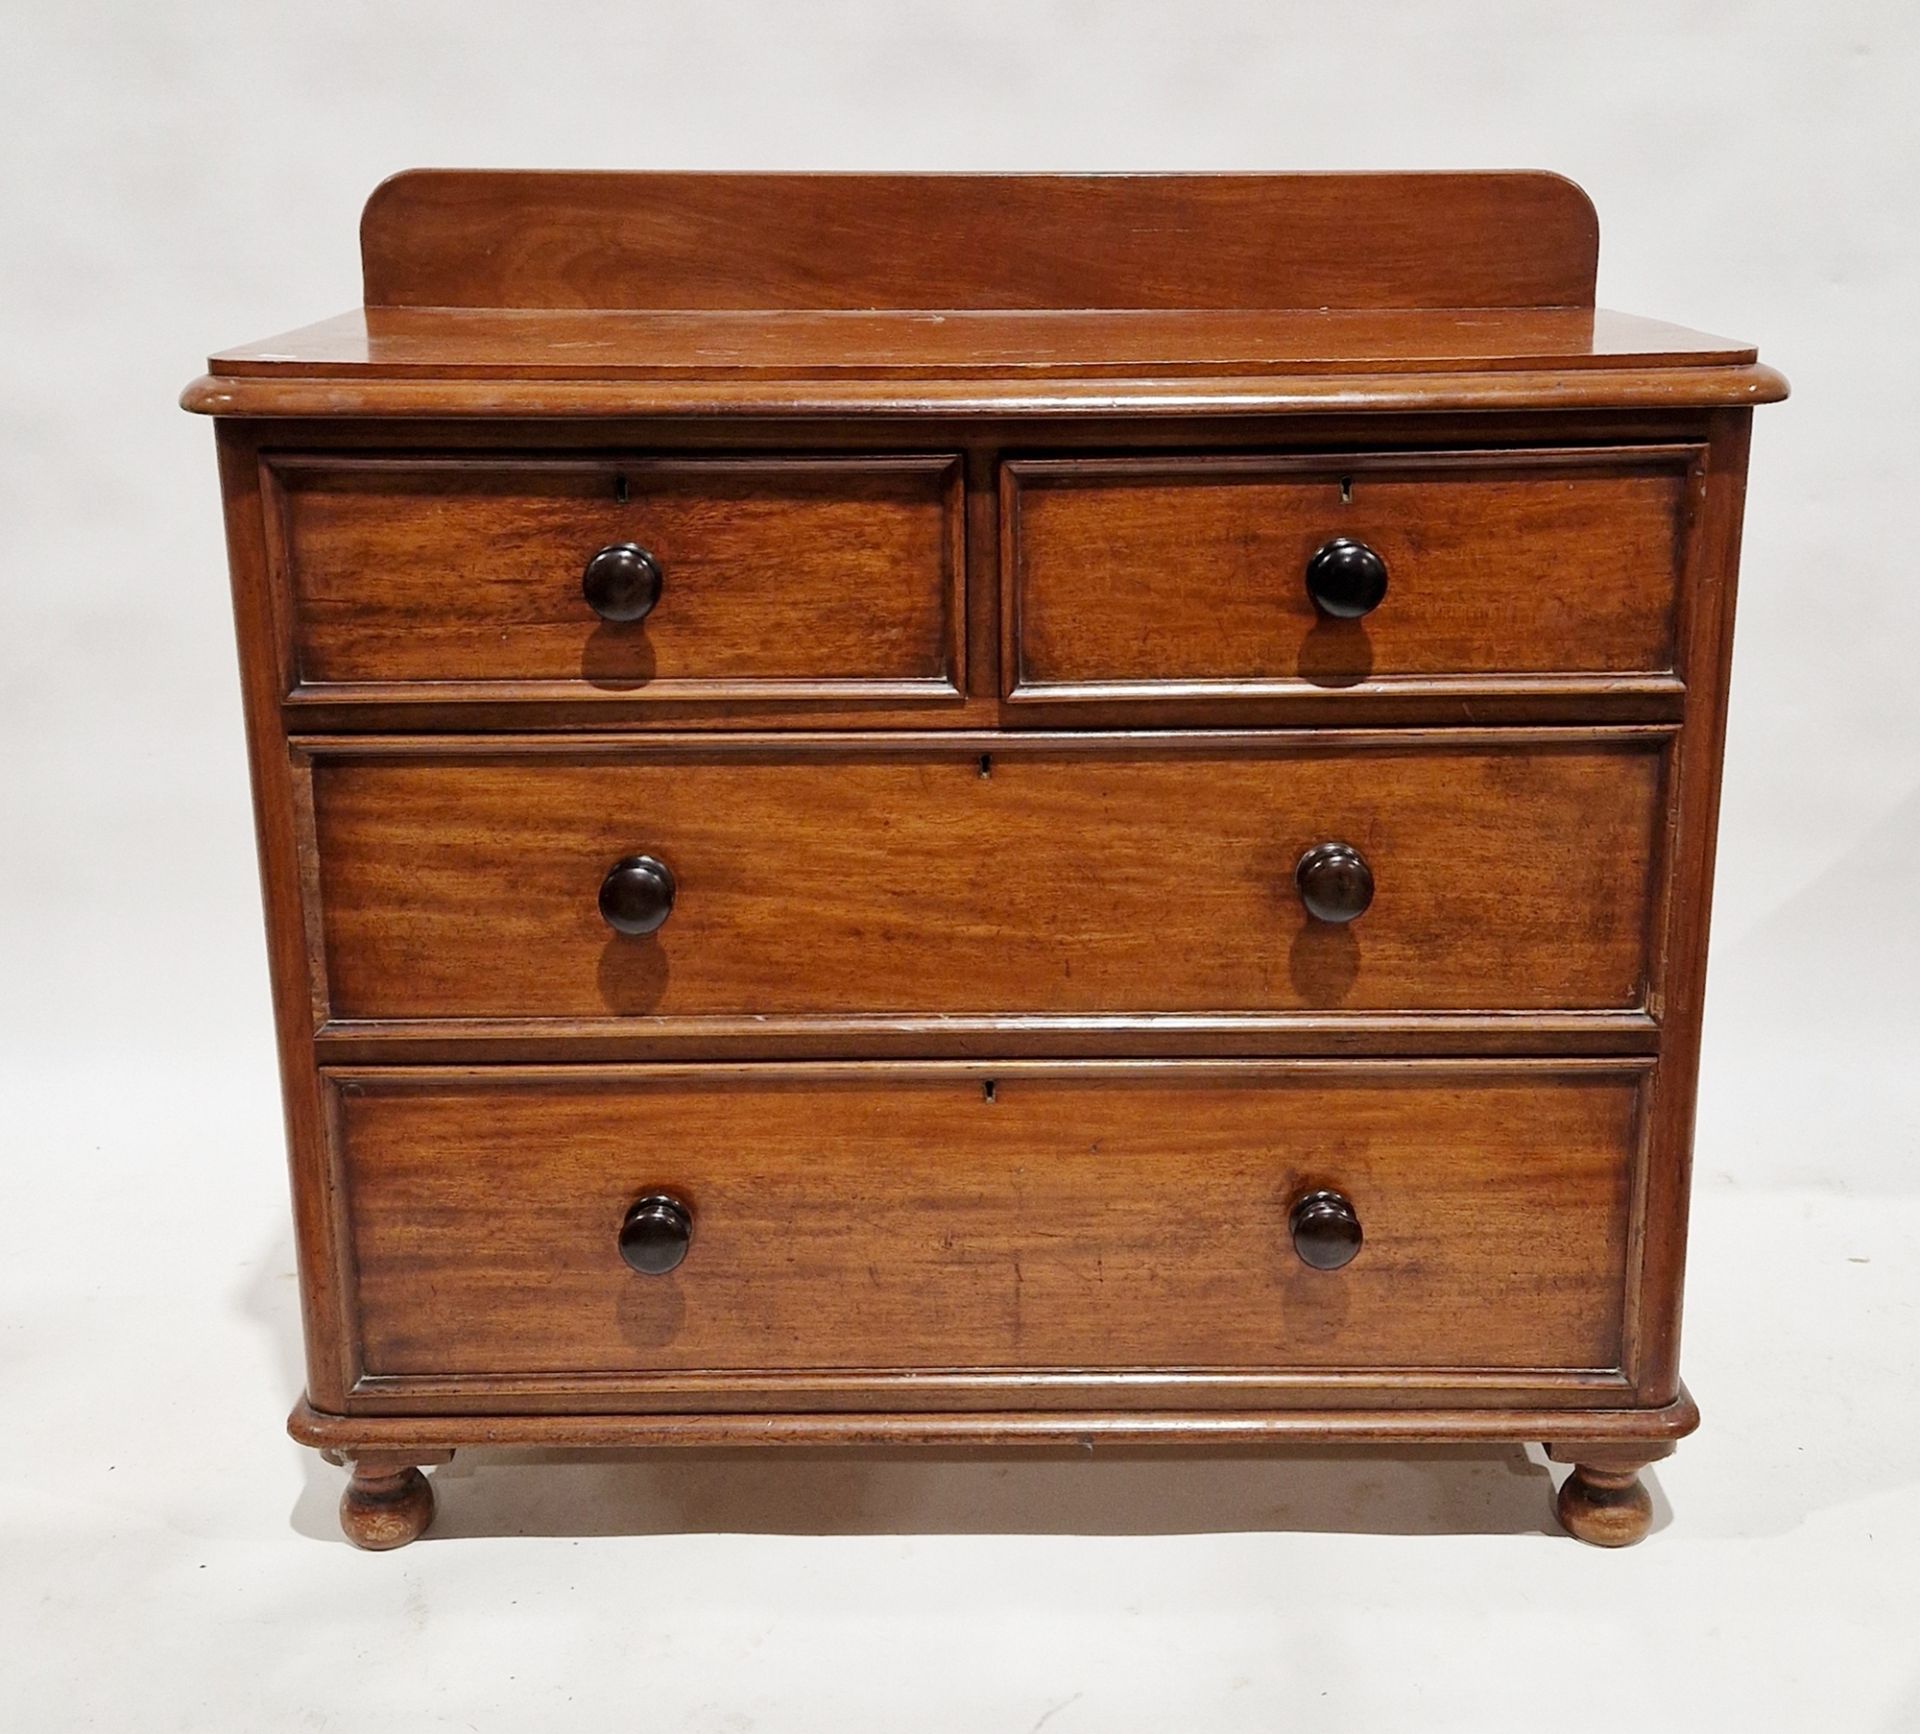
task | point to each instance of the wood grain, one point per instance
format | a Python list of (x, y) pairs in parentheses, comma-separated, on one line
[(439, 343), (939, 400), (1131, 576), (853, 1217), (1686, 906), (488, 238), (986, 1035), (1062, 875), (1082, 1429), (285, 851), (823, 574)]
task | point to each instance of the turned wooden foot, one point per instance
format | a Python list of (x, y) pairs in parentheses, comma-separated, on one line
[(1607, 1507), (388, 1503), (1604, 1501)]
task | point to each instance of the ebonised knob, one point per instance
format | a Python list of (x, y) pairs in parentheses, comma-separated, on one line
[(656, 1234), (637, 894), (1326, 1230), (1335, 882), (621, 582), (1346, 579)]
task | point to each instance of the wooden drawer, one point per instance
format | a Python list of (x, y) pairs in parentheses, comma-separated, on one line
[(1013, 874), (781, 578), (1528, 572), (1086, 1217)]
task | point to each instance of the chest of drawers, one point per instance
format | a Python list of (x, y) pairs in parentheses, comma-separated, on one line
[(967, 809)]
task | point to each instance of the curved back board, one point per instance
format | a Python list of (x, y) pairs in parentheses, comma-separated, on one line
[(489, 238)]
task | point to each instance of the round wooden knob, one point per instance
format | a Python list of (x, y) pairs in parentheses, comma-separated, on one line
[(621, 582), (1335, 882), (637, 894), (656, 1233), (1346, 579), (1326, 1230)]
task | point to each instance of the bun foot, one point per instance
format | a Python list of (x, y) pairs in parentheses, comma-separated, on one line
[(1603, 1501), (385, 1506), (1607, 1507)]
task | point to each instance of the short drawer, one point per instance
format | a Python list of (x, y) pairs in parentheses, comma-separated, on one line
[(777, 578), (1029, 875), (1076, 1217), (1529, 572)]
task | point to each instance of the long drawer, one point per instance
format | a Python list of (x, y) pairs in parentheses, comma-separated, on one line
[(987, 874), (1090, 1216), (771, 577)]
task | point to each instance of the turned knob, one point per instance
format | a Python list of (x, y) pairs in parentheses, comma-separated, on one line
[(621, 582), (637, 894), (1326, 1230), (656, 1233), (1346, 579), (1335, 882)]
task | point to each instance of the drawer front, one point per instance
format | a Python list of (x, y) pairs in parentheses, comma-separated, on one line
[(987, 874), (1084, 1217), (778, 577), (1128, 577)]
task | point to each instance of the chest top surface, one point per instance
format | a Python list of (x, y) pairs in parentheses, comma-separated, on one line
[(554, 294)]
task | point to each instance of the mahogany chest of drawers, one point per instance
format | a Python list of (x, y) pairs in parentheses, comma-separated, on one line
[(972, 808)]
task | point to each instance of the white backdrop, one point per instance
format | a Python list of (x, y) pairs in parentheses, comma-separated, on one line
[(183, 176)]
